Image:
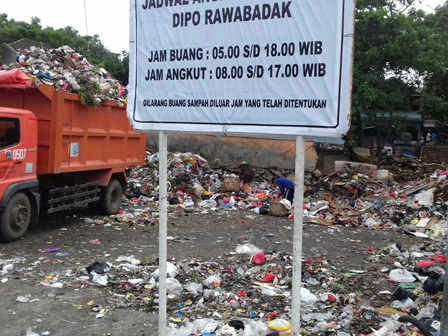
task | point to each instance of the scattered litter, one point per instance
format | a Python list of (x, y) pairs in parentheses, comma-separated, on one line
[(50, 249)]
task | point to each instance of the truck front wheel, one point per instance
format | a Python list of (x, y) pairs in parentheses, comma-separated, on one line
[(110, 199), (16, 217)]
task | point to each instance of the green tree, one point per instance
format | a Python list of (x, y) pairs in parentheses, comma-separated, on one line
[(433, 65), (387, 43)]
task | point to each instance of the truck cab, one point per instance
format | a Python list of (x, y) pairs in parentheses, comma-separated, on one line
[(19, 197)]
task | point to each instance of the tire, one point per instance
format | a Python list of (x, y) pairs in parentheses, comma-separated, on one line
[(110, 199), (16, 217)]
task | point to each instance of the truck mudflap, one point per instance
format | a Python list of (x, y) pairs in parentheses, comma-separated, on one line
[(30, 186), (58, 199)]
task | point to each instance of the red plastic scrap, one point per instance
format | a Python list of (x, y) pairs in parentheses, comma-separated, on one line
[(258, 259), (439, 258), (425, 263), (270, 316), (15, 79), (241, 294), (331, 298), (268, 277)]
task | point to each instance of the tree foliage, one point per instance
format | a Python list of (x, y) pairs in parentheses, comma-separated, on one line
[(90, 46), (434, 65), (400, 53), (387, 42)]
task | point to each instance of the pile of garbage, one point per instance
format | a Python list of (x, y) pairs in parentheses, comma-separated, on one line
[(406, 168), (68, 71), (248, 292), (354, 196), (194, 187)]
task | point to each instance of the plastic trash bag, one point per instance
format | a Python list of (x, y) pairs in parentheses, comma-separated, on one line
[(7, 268), (136, 281), (286, 203), (425, 197), (207, 204), (434, 283), (388, 327), (198, 189), (189, 203), (317, 316), (173, 286), (227, 330), (171, 270), (206, 325), (307, 297), (258, 259), (212, 281), (187, 330), (405, 304), (98, 267), (99, 279), (131, 260), (268, 292), (23, 299), (248, 331), (400, 275), (194, 288), (249, 249), (30, 332), (258, 328)]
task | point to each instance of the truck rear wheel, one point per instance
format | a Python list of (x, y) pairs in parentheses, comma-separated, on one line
[(110, 199), (16, 217)]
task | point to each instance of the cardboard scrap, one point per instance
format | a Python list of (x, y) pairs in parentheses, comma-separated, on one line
[(386, 311), (423, 222)]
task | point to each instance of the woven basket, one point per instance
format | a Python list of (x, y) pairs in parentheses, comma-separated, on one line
[(231, 184), (277, 209)]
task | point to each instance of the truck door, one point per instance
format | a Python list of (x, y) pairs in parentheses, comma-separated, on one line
[(10, 166), (17, 149)]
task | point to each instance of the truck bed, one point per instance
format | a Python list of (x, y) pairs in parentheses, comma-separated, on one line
[(73, 137)]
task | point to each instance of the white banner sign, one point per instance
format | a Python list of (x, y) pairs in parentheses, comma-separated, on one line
[(236, 67)]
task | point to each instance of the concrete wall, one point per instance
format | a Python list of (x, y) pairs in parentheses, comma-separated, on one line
[(231, 150)]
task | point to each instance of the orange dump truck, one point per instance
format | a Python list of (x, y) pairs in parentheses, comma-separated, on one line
[(56, 153)]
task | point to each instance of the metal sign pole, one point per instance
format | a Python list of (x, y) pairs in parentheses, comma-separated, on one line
[(444, 327), (163, 218), (298, 231)]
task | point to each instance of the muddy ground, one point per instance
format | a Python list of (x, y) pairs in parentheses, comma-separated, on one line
[(205, 236)]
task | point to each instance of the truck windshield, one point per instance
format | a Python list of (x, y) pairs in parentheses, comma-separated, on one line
[(9, 132)]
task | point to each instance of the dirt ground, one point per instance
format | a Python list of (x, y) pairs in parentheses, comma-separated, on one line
[(206, 236)]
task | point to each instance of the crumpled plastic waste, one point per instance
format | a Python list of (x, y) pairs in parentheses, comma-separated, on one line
[(249, 249), (401, 275), (194, 288), (307, 297), (171, 271), (30, 332), (98, 267), (173, 286), (99, 279), (212, 281)]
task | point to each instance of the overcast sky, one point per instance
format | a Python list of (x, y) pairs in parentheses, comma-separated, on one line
[(107, 18)]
